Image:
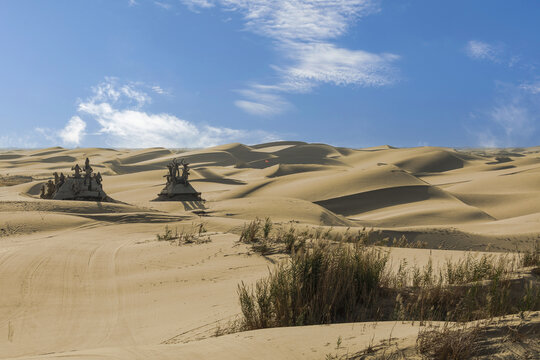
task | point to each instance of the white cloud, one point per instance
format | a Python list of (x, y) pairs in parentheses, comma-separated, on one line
[(511, 121), (533, 88), (479, 50), (163, 5), (257, 108), (110, 90), (326, 63), (514, 118), (194, 4), (73, 133), (301, 30), (158, 90), (262, 101), (304, 20), (132, 2), (118, 110)]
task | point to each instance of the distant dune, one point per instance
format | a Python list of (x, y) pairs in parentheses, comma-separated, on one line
[(88, 280)]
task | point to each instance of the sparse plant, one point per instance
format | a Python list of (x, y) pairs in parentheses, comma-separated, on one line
[(201, 228), (192, 235), (267, 227), (250, 231), (168, 235)]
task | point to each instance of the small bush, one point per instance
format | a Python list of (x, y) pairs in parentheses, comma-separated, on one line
[(259, 236), (168, 235), (250, 232)]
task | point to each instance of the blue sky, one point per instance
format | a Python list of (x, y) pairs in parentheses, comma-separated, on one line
[(196, 73)]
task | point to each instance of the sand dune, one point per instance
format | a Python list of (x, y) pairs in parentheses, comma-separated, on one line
[(89, 280)]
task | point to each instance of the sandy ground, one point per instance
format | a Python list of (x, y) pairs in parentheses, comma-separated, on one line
[(89, 280)]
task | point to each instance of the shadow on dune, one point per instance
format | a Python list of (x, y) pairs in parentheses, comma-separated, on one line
[(10, 157), (377, 199), (193, 205), (132, 218), (57, 159), (432, 162), (49, 151), (68, 206)]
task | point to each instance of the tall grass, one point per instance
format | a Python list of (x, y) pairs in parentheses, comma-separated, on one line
[(329, 282), (323, 285)]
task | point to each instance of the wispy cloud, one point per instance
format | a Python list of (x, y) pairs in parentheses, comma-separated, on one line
[(497, 52), (511, 121), (111, 90), (533, 88), (261, 101), (163, 5), (480, 50), (326, 63), (302, 31), (193, 5), (118, 110), (158, 90), (514, 118)]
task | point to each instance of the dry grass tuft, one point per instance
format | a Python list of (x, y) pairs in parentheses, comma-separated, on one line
[(448, 343), (195, 234)]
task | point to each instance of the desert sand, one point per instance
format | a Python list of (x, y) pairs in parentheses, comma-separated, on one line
[(89, 280)]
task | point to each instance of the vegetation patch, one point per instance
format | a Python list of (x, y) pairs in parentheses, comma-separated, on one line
[(267, 238), (332, 282), (193, 234)]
